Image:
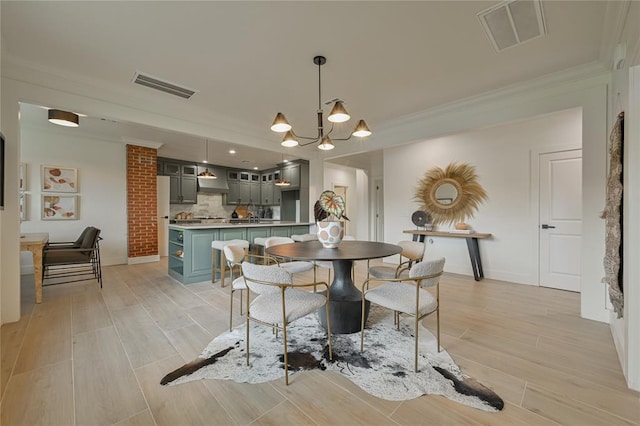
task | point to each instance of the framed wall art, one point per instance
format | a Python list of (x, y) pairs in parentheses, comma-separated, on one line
[(59, 179), (59, 207)]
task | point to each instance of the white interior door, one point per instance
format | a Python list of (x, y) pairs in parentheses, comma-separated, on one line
[(341, 190), (163, 215), (379, 211), (560, 219)]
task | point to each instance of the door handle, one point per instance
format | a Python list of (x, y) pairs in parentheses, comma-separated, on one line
[(545, 226)]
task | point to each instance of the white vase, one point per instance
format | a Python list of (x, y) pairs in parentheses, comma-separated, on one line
[(330, 233)]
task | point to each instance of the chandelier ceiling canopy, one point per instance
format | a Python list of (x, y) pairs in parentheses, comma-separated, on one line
[(338, 114), (206, 174)]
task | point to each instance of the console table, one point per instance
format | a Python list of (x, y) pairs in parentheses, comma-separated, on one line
[(472, 245)]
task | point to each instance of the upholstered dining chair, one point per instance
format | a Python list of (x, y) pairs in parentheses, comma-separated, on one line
[(294, 266), (234, 256), (279, 302), (408, 296), (412, 251)]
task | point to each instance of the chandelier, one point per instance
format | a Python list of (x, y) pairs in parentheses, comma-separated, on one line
[(338, 114)]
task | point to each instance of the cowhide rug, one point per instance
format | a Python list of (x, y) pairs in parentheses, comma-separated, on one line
[(384, 369)]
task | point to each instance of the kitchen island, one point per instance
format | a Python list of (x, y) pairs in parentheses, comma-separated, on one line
[(190, 253)]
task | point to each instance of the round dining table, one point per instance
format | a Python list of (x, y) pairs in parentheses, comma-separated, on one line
[(345, 300)]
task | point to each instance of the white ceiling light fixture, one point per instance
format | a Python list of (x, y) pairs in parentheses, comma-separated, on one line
[(338, 114), (63, 118), (206, 174)]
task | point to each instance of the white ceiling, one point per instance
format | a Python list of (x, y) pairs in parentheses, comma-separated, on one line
[(249, 60)]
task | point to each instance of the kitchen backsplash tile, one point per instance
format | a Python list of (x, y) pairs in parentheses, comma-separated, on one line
[(207, 205), (211, 205)]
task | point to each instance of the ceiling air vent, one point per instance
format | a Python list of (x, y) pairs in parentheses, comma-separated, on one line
[(163, 86), (513, 22)]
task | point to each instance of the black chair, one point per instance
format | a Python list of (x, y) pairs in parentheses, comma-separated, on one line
[(78, 260), (69, 244)]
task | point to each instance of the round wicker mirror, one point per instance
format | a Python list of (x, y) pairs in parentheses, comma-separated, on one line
[(450, 195)]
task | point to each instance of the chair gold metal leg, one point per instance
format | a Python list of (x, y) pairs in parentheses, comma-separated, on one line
[(286, 356), (438, 312), (438, 325), (362, 325), (231, 309), (416, 343), (247, 336), (223, 262), (214, 265)]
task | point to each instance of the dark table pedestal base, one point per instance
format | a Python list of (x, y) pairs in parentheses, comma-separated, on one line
[(346, 316), (345, 301)]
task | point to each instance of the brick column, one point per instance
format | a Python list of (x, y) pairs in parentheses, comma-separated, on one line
[(142, 201)]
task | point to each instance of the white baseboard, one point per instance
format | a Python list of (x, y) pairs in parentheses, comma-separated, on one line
[(143, 259)]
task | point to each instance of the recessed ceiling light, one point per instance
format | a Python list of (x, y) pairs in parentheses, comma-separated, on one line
[(255, 168), (245, 161), (232, 151), (286, 161)]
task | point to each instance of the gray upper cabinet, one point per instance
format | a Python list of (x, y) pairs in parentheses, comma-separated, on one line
[(266, 193), (291, 173), (244, 187), (172, 168), (183, 185), (254, 192), (245, 192), (233, 197)]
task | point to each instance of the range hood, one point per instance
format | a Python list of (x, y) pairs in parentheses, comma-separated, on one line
[(218, 185)]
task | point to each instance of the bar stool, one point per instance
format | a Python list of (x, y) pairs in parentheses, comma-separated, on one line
[(304, 237), (218, 245), (258, 246)]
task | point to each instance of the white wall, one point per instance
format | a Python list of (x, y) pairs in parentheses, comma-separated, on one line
[(626, 97), (501, 156), (102, 183)]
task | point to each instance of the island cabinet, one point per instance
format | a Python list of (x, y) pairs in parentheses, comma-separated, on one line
[(253, 233), (194, 263), (190, 253)]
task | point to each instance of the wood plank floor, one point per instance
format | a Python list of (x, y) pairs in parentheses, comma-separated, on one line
[(91, 357)]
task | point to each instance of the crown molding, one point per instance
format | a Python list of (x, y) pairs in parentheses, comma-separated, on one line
[(508, 102), (535, 88), (614, 22)]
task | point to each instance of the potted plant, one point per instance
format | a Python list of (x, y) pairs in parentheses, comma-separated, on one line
[(328, 211)]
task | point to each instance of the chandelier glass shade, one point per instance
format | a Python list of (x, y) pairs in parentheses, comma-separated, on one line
[(338, 114)]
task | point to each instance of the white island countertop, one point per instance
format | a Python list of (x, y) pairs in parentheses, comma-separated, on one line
[(261, 224)]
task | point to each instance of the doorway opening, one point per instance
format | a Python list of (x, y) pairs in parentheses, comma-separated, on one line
[(341, 190)]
